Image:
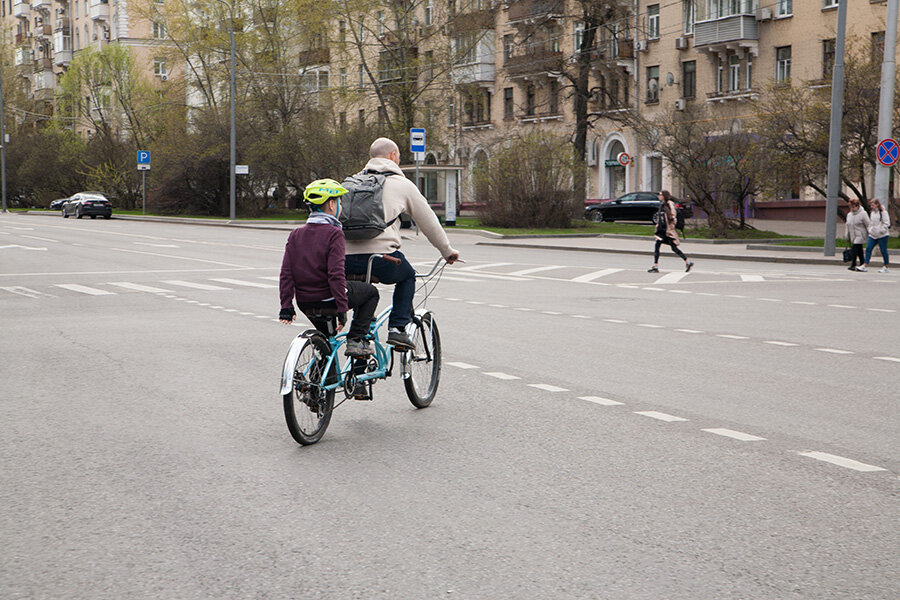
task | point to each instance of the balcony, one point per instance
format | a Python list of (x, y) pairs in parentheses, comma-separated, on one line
[(539, 117), (532, 10), (477, 72), (23, 56), (43, 80), (62, 48), (319, 56), (734, 33), (99, 10), (534, 63), (732, 96), (40, 4), (43, 64), (43, 32), (22, 8), (471, 22)]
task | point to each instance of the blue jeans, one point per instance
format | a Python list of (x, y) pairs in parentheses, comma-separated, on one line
[(882, 245), (403, 276)]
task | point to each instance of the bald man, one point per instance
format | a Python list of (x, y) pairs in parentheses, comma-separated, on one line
[(400, 195)]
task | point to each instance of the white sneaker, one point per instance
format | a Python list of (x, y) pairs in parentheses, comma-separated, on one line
[(862, 268), (883, 270)]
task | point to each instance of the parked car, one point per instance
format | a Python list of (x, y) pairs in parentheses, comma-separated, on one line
[(636, 206), (92, 204), (58, 204)]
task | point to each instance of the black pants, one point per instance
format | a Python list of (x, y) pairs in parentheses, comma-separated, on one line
[(362, 298), (856, 250), (672, 244)]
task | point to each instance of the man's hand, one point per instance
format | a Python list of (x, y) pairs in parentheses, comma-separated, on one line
[(453, 258), (286, 316)]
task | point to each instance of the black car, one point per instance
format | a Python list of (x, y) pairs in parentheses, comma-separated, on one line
[(636, 206), (58, 204), (92, 204)]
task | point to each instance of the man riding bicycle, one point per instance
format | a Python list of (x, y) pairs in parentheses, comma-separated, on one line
[(400, 195)]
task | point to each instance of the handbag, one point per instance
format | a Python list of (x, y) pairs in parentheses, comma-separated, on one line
[(848, 255)]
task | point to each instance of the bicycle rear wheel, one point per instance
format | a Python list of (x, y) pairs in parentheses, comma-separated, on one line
[(424, 361), (307, 407)]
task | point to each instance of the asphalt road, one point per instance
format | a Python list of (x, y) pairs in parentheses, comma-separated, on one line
[(599, 432)]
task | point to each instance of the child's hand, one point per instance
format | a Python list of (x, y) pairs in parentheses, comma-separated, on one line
[(286, 316)]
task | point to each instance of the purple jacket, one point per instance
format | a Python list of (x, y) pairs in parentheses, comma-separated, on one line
[(313, 266)]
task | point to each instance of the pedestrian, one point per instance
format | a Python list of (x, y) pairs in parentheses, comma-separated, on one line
[(666, 233), (857, 230), (399, 195), (879, 232)]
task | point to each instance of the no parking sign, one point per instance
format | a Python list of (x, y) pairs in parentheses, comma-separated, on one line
[(888, 152)]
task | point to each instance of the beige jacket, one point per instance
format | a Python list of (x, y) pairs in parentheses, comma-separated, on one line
[(857, 226), (400, 195), (671, 215)]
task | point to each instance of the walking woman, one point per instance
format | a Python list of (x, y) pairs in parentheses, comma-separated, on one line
[(879, 230), (666, 232), (857, 228)]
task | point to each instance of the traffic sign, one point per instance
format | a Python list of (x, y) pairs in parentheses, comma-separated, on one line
[(888, 152), (416, 140), (143, 160), (623, 159)]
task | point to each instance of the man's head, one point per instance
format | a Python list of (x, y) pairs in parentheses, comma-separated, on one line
[(385, 148)]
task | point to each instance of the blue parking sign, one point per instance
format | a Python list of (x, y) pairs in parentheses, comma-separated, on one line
[(143, 160)]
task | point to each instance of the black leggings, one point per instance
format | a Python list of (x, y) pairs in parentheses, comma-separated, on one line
[(856, 250), (362, 298), (672, 244)]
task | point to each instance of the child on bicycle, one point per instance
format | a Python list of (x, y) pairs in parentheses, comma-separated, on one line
[(312, 270)]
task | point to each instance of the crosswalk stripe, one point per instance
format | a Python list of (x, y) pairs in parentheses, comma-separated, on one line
[(194, 285), (534, 270), (272, 277), (485, 266), (83, 289), (752, 278), (138, 287), (245, 283), (671, 278), (596, 275), (24, 291)]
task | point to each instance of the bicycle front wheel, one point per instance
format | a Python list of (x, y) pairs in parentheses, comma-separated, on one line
[(307, 407), (424, 361)]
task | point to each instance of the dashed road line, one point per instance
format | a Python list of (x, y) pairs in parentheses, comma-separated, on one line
[(589, 277), (689, 330), (660, 416), (195, 285), (841, 461), (550, 312), (503, 376), (654, 289), (137, 287), (752, 278), (777, 343), (841, 306), (484, 266), (738, 435), (728, 336), (241, 282), (547, 387), (680, 292), (888, 358), (498, 306), (579, 316), (833, 351), (83, 289), (27, 292), (462, 365), (803, 303), (615, 321), (884, 310), (601, 401), (650, 326), (534, 270)]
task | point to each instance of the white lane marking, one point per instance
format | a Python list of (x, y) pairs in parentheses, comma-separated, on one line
[(43, 239), (21, 228), (244, 283), (732, 337), (550, 312), (670, 278), (503, 376), (615, 321), (706, 294), (595, 275), (661, 416), (840, 306), (462, 365), (156, 245), (272, 277), (890, 358), (738, 435), (203, 260), (547, 387), (479, 276), (497, 305), (768, 299), (484, 266), (650, 325), (654, 289), (534, 270), (833, 351), (752, 278), (580, 316), (196, 286), (524, 309), (473, 302), (138, 287), (22, 247), (689, 330), (777, 343), (849, 463), (231, 310), (804, 303), (198, 302), (83, 289), (243, 314), (452, 299), (680, 292), (24, 291), (601, 401), (463, 279), (886, 310), (257, 316), (626, 286)]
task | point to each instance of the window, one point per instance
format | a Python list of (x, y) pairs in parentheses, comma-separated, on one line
[(159, 30), (379, 27), (159, 67), (554, 97), (653, 22), (362, 31), (749, 71), (451, 110), (614, 99), (508, 47), (720, 75), (429, 12), (578, 36), (653, 84), (877, 46), (530, 100), (689, 79), (655, 168), (342, 31), (342, 120), (553, 36), (688, 17), (829, 3), (451, 6), (428, 71), (343, 77), (362, 76), (784, 8), (429, 113), (361, 116), (828, 54), (734, 73), (508, 103), (783, 64)]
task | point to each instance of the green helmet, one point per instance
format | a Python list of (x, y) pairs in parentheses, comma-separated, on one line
[(322, 190)]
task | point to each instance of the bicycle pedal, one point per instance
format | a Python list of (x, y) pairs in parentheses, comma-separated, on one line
[(363, 397)]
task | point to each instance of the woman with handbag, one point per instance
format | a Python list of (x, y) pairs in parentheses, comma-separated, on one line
[(666, 233), (857, 231), (879, 232)]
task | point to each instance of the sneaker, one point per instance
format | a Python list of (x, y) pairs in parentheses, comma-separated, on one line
[(862, 268), (851, 268), (399, 340), (358, 349), (883, 269), (687, 266), (653, 270)]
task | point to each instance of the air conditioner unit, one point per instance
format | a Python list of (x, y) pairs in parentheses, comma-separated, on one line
[(681, 43), (764, 14), (164, 77), (679, 104), (642, 45)]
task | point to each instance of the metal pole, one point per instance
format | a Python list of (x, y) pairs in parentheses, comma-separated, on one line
[(834, 135), (886, 101), (2, 131), (233, 140), (144, 192)]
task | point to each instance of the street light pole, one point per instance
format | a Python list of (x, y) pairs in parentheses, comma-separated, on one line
[(886, 101), (2, 131), (833, 188), (233, 139)]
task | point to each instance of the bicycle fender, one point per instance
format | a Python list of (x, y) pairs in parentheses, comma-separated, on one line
[(287, 372)]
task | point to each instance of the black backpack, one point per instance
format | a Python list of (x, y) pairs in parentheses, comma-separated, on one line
[(362, 208)]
